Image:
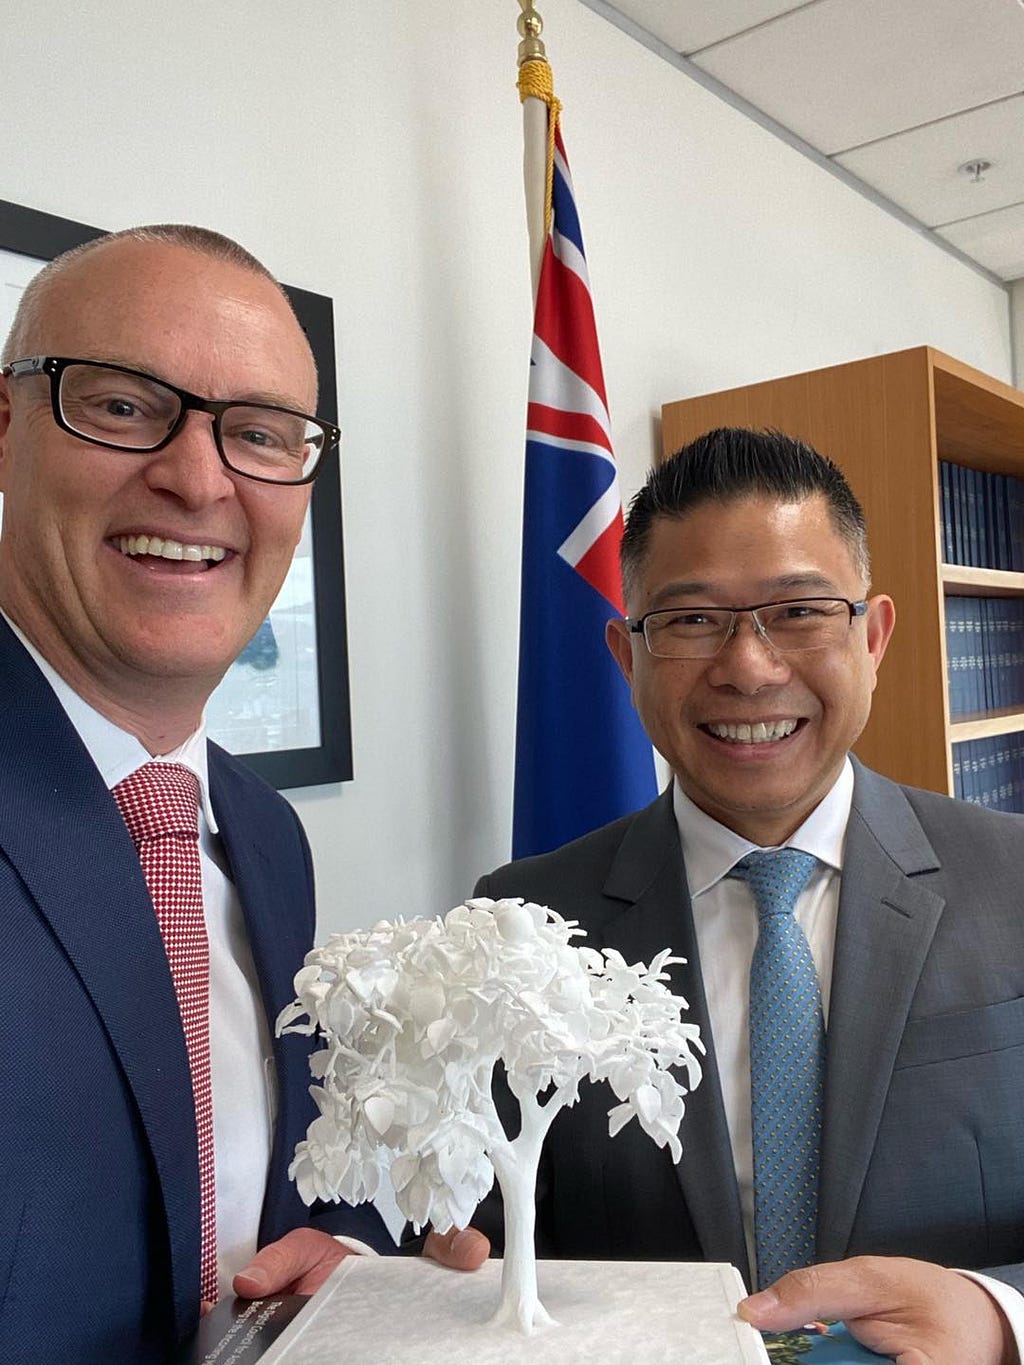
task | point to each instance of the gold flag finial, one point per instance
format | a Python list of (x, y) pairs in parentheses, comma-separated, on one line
[(530, 26), (540, 124)]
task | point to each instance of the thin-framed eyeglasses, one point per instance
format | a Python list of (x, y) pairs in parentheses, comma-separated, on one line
[(124, 409), (790, 627)]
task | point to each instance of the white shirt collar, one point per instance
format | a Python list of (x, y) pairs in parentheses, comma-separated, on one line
[(711, 850), (115, 752)]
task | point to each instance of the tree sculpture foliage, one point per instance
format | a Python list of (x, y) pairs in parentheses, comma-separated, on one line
[(414, 1015)]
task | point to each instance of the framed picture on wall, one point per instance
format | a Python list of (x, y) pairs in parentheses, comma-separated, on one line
[(283, 706)]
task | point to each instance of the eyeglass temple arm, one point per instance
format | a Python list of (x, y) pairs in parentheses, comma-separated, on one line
[(34, 365)]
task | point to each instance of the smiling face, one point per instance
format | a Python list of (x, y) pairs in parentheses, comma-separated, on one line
[(755, 738), (78, 573)]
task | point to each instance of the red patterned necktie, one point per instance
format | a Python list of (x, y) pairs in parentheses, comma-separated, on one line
[(159, 802)]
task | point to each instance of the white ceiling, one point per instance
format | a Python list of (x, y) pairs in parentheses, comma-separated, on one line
[(898, 93)]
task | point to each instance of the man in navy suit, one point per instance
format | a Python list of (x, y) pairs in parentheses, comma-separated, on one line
[(752, 649), (147, 528)]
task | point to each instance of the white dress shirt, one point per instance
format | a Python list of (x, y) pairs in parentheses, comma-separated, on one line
[(241, 1058), (725, 922)]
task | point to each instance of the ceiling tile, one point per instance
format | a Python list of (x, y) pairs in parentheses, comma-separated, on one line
[(844, 72), (686, 25), (996, 240), (918, 170)]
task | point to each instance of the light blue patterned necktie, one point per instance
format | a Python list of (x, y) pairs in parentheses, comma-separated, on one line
[(787, 1065)]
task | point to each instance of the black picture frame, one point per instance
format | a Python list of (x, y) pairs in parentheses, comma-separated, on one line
[(42, 236)]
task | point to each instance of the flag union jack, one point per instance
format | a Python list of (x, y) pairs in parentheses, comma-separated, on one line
[(582, 758)]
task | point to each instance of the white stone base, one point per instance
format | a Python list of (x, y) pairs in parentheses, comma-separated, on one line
[(406, 1310)]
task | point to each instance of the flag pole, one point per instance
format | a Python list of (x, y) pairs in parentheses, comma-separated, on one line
[(582, 758), (537, 95)]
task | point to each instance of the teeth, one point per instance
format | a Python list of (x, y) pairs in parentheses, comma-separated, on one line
[(762, 732), (169, 549)]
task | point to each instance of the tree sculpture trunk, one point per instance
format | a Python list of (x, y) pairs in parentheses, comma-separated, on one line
[(516, 1165)]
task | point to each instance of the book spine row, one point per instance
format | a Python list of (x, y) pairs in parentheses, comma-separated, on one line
[(984, 654), (990, 772), (982, 518)]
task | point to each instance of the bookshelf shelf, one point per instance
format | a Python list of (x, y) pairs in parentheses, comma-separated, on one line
[(962, 580), (888, 421), (1008, 721)]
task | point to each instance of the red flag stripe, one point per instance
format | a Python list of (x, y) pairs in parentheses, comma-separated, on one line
[(600, 565), (573, 426), (565, 322)]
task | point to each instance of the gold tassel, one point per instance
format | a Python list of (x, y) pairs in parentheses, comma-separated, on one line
[(537, 83)]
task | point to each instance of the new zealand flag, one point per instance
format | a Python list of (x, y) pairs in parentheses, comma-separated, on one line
[(582, 758)]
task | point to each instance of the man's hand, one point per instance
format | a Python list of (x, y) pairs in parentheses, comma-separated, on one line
[(918, 1313), (297, 1263), (300, 1261), (464, 1249)]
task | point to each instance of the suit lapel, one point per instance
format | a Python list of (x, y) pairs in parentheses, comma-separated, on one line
[(648, 874), (280, 933), (61, 830), (885, 927)]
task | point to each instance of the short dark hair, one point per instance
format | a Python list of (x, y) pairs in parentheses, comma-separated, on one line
[(736, 462)]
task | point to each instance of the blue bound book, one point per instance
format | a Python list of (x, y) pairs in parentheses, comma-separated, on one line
[(962, 537), (1001, 494), (953, 655), (1015, 650), (970, 771), (946, 507), (1015, 503), (1003, 771), (975, 655), (974, 517), (958, 781), (990, 624), (987, 511)]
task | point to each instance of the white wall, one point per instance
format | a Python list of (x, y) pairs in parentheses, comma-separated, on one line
[(371, 152)]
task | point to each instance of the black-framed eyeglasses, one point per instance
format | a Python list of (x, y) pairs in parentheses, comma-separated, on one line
[(790, 627), (123, 409)]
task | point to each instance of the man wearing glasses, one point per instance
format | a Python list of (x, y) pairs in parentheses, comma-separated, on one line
[(158, 442), (855, 949)]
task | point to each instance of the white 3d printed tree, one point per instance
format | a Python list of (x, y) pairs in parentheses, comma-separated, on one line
[(414, 1015)]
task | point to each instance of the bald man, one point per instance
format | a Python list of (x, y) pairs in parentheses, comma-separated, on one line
[(158, 442)]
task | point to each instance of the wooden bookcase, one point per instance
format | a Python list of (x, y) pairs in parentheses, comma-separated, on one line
[(887, 421)]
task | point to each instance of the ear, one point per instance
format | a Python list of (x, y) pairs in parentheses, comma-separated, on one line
[(619, 640), (880, 622), (5, 423)]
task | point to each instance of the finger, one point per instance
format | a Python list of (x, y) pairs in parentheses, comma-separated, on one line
[(844, 1289), (287, 1262), (311, 1281), (464, 1249), (205, 1307), (913, 1357)]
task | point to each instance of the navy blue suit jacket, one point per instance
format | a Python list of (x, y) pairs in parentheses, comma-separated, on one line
[(99, 1180), (924, 1087)]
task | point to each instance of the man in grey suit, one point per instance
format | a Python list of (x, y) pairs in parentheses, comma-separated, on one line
[(912, 914)]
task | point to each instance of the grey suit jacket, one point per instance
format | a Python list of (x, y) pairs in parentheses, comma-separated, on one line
[(923, 1139)]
